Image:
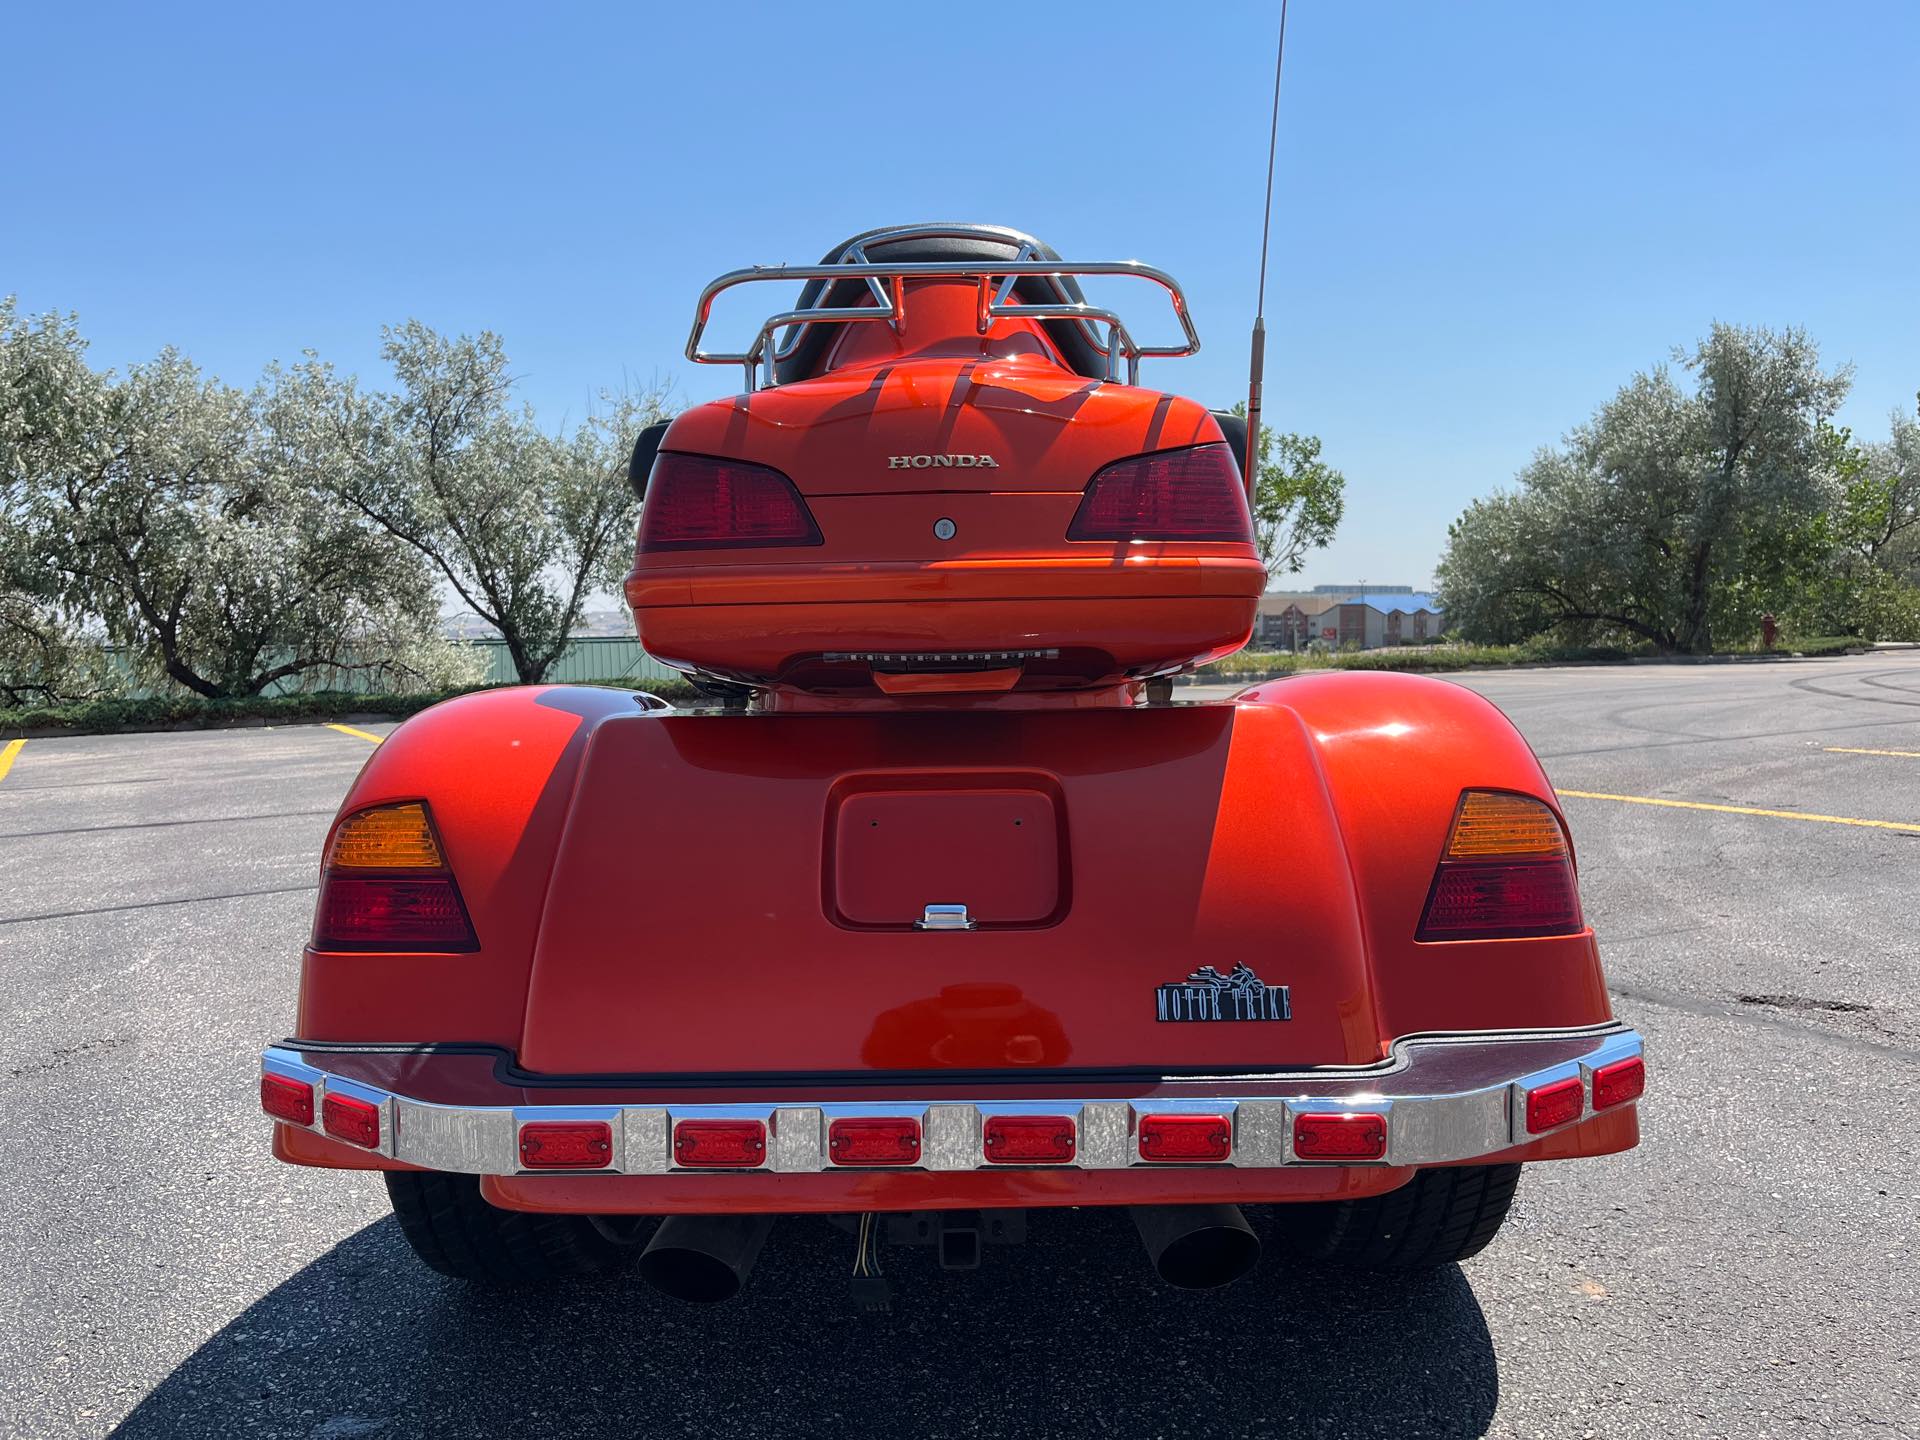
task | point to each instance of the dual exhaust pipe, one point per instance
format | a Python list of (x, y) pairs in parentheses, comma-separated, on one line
[(705, 1259), (1197, 1247)]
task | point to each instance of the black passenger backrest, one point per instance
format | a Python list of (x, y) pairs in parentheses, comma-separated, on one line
[(645, 446), (976, 242), (1234, 427)]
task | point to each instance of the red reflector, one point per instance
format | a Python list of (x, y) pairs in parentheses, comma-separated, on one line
[(352, 1120), (361, 912), (1554, 1105), (566, 1144), (697, 502), (874, 1142), (1028, 1139), (1192, 494), (726, 1144), (284, 1099), (1479, 901), (1619, 1082), (1185, 1137), (1340, 1137)]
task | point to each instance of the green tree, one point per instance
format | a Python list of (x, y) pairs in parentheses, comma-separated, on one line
[(1851, 570), (518, 522), (180, 518), (1886, 504), (1298, 499), (1664, 516)]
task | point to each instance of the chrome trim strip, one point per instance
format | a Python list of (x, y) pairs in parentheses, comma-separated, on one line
[(1423, 1127), (799, 1139), (646, 1139)]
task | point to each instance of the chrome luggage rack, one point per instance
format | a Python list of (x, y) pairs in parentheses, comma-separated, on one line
[(886, 285)]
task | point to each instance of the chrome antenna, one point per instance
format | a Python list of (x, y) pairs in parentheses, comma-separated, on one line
[(1257, 365)]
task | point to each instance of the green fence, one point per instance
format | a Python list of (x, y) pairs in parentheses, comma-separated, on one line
[(589, 657)]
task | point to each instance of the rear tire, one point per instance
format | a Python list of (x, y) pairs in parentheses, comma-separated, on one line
[(454, 1230), (1438, 1217)]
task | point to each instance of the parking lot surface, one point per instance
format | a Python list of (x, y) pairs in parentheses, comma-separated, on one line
[(1749, 1271)]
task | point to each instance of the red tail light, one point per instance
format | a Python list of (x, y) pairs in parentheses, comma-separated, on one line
[(284, 1099), (880, 1141), (1185, 1137), (566, 1144), (1552, 1106), (698, 502), (1192, 494), (1340, 1137), (356, 1121), (1619, 1082), (387, 886), (720, 1144), (1028, 1139), (1506, 872)]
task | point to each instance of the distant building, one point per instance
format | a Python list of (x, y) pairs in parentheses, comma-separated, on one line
[(1363, 589), (1392, 615)]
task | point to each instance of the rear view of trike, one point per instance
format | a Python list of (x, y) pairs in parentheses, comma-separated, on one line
[(943, 909)]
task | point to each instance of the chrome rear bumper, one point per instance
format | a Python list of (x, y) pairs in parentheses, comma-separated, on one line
[(1443, 1098)]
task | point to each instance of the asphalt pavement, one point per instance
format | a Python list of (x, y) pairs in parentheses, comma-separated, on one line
[(1749, 1271)]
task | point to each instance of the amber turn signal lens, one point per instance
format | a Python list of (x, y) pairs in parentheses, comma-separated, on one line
[(389, 837), (1495, 824)]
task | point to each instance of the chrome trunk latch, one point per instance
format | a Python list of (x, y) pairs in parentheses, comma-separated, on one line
[(944, 917)]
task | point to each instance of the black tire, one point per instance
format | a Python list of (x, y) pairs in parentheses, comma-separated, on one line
[(458, 1233), (1438, 1217)]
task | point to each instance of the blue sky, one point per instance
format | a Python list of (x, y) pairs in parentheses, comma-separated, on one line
[(1487, 215)]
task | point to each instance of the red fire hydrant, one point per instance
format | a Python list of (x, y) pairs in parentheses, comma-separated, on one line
[(1769, 628)]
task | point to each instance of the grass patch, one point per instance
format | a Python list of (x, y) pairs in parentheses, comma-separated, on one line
[(1822, 645), (1442, 658), (191, 712), (1422, 658)]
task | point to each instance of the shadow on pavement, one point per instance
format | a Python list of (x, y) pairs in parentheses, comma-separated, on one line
[(1067, 1334)]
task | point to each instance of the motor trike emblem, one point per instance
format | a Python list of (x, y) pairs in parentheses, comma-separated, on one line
[(1206, 994)]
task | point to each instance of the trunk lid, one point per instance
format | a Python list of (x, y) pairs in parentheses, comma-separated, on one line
[(995, 425), (739, 895)]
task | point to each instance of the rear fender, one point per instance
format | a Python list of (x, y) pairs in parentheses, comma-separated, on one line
[(1396, 751), (497, 769)]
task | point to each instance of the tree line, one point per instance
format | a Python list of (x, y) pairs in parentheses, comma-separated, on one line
[(226, 540), (1699, 500)]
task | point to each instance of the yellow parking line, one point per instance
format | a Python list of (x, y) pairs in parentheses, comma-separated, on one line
[(357, 734), (1742, 810), (7, 752), (1901, 754)]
